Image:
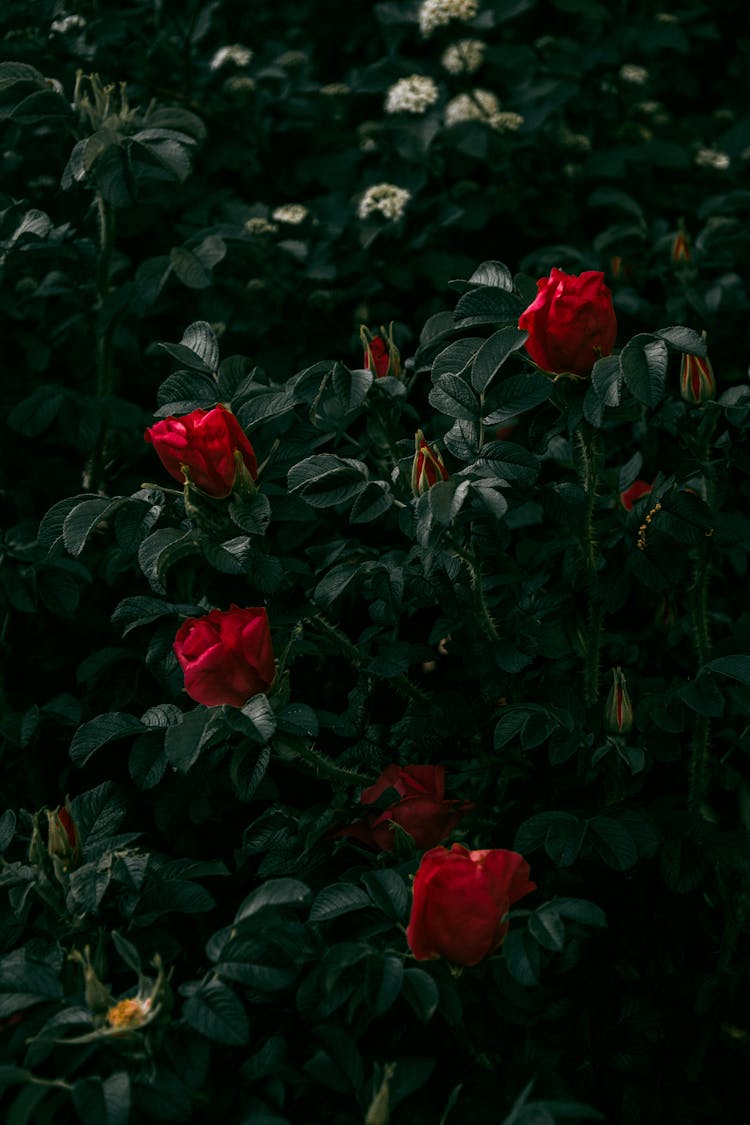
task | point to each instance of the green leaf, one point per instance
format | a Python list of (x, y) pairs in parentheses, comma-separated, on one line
[(200, 338), (613, 842), (462, 439), (388, 891), (351, 387), (516, 394), (258, 719), (736, 667), (521, 955), (703, 696), (547, 928), (32, 415), (184, 741), (94, 734), (215, 1011), (493, 273), (422, 993), (493, 354), (457, 357), (510, 461), (683, 340), (7, 829), (374, 499), (340, 898), (453, 396), (644, 368), (325, 480), (189, 268), (488, 306), (579, 910), (274, 892), (103, 1101), (161, 550), (247, 770)]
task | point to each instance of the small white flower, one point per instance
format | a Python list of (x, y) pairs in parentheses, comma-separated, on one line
[(463, 57), (576, 142), (411, 95), (649, 107), (387, 200), (235, 54), (667, 17), (712, 158), (482, 106), (239, 84), (258, 227), (65, 24), (637, 75), (293, 213), (437, 13)]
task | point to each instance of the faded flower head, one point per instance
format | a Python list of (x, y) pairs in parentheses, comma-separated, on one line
[(411, 95), (437, 13), (126, 1015), (234, 54), (712, 158), (387, 200), (482, 106), (293, 213), (463, 57), (637, 75)]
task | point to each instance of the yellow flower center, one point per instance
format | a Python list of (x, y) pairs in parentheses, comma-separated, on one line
[(126, 1014)]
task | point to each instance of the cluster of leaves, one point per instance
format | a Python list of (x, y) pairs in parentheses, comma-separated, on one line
[(473, 626)]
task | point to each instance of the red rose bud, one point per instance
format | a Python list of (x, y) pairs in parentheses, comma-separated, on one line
[(618, 710), (226, 657), (461, 900), (637, 489), (427, 467), (207, 449), (571, 323), (381, 354), (62, 839), (680, 248), (697, 383), (422, 810)]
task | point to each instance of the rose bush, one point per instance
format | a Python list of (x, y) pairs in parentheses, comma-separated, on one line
[(206, 448), (226, 657), (461, 899), (422, 810), (571, 323)]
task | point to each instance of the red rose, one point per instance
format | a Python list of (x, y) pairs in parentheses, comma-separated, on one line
[(637, 489), (427, 467), (227, 657), (208, 448), (571, 323), (381, 355), (697, 382), (461, 899), (422, 811)]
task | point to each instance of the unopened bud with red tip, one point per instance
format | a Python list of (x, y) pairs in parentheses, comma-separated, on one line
[(697, 382), (618, 710), (427, 467), (680, 248), (63, 844), (381, 356)]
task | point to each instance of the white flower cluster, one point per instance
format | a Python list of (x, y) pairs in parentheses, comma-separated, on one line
[(712, 158), (293, 213), (463, 57), (387, 200), (482, 106), (235, 54), (437, 13), (411, 95), (637, 75), (64, 24)]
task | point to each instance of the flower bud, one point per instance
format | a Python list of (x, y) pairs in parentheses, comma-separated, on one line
[(382, 357), (697, 383), (427, 468), (618, 710), (680, 251), (637, 489), (62, 838)]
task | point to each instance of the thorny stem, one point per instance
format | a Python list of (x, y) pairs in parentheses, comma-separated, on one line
[(104, 333), (324, 766), (589, 452), (401, 682), (468, 556), (698, 778)]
